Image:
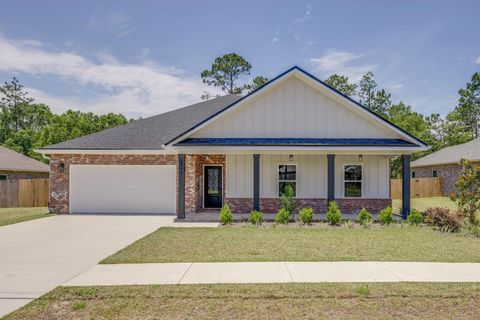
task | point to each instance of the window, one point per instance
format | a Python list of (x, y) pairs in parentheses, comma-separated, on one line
[(287, 176), (352, 180), (434, 173), (3, 177), (413, 174)]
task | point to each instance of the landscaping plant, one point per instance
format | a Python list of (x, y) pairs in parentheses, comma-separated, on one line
[(226, 216), (256, 218), (306, 215), (468, 195), (287, 201), (365, 218), (415, 217), (444, 219), (282, 216), (385, 216), (334, 215)]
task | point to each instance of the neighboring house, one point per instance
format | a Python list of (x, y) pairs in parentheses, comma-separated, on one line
[(294, 130), (14, 165), (445, 164)]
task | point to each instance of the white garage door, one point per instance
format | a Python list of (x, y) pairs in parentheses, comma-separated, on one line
[(122, 189)]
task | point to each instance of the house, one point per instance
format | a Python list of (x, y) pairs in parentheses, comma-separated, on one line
[(14, 165), (445, 164), (294, 130)]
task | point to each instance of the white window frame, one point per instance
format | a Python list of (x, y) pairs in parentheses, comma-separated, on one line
[(278, 177), (361, 181)]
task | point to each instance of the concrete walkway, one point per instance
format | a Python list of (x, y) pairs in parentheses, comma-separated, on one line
[(276, 272), (37, 256)]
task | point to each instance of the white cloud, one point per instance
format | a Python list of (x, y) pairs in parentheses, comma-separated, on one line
[(341, 62), (134, 89), (477, 61)]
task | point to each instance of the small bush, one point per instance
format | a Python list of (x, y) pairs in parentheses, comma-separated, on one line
[(474, 230), (287, 201), (415, 217), (364, 217), (226, 216), (334, 215), (385, 216), (444, 219), (256, 218), (306, 215), (282, 216), (347, 224)]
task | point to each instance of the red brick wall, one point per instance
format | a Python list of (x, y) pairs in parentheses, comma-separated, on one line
[(59, 181), (272, 205), (194, 179)]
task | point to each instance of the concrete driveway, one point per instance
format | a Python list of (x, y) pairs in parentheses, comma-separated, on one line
[(37, 256)]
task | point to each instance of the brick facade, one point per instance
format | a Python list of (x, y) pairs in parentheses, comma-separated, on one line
[(59, 181), (194, 179), (448, 172), (272, 205)]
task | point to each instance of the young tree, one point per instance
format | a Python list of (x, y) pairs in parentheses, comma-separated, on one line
[(468, 196), (341, 84), (257, 82), (225, 72), (467, 113)]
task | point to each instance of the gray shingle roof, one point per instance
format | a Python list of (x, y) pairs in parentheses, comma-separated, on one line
[(150, 133), (14, 161), (453, 154)]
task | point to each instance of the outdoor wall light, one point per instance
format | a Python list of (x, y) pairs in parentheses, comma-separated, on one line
[(291, 157), (360, 158), (61, 167)]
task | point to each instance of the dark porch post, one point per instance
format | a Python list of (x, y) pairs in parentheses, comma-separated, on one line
[(331, 177), (405, 185), (181, 187), (256, 182)]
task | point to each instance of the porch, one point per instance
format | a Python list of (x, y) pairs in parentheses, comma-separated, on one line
[(249, 182)]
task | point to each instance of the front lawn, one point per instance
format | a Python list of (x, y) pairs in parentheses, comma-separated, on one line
[(324, 243), (259, 301), (15, 215), (421, 204)]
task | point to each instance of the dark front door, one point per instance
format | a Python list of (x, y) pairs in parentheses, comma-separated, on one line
[(213, 186)]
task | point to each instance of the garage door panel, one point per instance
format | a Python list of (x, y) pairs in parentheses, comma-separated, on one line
[(122, 189)]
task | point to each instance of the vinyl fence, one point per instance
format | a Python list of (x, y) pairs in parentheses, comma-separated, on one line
[(23, 193), (419, 188)]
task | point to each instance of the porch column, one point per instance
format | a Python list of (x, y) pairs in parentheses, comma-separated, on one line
[(331, 177), (256, 182), (405, 185), (181, 187)]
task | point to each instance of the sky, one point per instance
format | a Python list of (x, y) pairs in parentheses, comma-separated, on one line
[(142, 58)]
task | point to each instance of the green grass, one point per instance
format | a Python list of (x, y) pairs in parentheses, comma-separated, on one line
[(15, 215), (397, 242), (259, 301), (422, 204)]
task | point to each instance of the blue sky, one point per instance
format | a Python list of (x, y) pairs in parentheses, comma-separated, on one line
[(145, 57)]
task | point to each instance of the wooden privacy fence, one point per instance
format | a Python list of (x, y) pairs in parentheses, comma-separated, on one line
[(23, 193), (419, 187)]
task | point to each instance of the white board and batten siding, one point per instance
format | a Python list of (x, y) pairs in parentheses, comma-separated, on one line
[(311, 175), (295, 109), (132, 189)]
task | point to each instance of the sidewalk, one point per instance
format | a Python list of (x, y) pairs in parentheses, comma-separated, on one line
[(276, 272)]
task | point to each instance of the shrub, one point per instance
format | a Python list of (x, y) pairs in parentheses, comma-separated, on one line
[(364, 217), (444, 219), (334, 215), (415, 217), (287, 201), (282, 216), (385, 216), (256, 218), (468, 186), (226, 216), (474, 230), (347, 224), (306, 215)]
